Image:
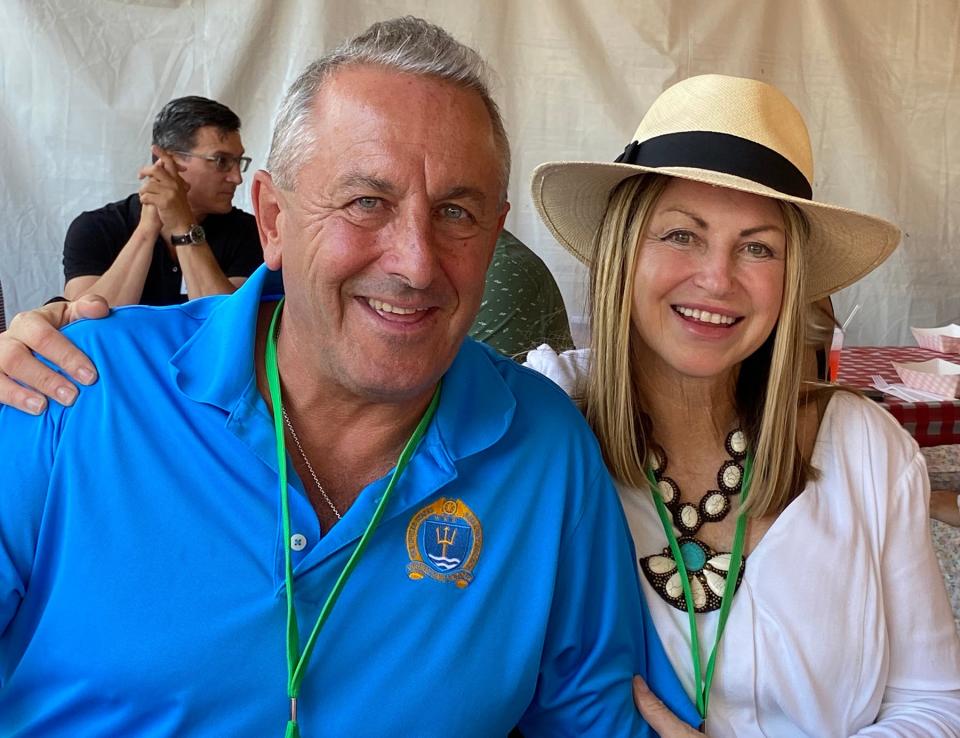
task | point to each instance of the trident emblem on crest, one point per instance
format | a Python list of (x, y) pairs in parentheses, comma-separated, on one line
[(447, 540), (443, 542)]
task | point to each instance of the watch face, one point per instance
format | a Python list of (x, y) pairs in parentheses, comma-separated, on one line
[(196, 234)]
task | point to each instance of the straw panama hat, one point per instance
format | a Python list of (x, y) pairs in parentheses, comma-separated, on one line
[(730, 132)]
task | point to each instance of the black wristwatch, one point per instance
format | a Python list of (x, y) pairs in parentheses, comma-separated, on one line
[(195, 234)]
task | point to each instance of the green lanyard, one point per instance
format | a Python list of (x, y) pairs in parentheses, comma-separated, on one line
[(702, 685), (297, 661)]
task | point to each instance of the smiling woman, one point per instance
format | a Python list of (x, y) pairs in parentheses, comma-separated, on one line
[(740, 482), (707, 291)]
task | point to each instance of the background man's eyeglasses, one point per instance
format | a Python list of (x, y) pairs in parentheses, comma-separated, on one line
[(223, 162)]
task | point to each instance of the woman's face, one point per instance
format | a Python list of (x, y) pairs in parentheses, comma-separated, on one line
[(709, 278)]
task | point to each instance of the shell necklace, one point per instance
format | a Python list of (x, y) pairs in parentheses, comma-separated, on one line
[(707, 569)]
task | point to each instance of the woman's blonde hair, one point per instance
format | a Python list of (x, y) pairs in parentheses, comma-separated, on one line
[(768, 388)]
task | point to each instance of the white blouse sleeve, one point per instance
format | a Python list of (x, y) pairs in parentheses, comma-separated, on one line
[(922, 695), (568, 369)]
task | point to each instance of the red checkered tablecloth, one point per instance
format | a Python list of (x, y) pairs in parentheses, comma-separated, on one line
[(931, 423)]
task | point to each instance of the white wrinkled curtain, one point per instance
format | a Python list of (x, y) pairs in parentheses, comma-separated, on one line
[(876, 79)]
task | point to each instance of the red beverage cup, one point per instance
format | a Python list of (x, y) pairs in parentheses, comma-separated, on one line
[(834, 358)]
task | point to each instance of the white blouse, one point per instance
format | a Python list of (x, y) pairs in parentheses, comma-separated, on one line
[(841, 626)]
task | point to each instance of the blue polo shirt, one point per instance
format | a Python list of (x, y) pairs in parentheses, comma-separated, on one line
[(141, 557)]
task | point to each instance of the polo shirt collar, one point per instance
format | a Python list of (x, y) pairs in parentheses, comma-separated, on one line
[(476, 404), (215, 366)]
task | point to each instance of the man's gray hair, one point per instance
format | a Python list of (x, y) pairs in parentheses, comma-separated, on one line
[(408, 44)]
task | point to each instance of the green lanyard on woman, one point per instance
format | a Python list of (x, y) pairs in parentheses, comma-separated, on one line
[(702, 684), (297, 661)]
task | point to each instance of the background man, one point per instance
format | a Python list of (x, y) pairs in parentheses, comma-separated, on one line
[(180, 235), (497, 587)]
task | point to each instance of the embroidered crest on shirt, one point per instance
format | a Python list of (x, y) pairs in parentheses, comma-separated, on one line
[(443, 542)]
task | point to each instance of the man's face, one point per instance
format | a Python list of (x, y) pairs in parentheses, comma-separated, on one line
[(386, 240), (211, 191)]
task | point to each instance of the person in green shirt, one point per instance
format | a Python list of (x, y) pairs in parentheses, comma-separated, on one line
[(522, 306)]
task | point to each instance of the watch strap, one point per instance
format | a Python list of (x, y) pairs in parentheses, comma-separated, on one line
[(195, 234)]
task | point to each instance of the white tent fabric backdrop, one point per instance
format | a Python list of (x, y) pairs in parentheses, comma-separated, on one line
[(877, 81)]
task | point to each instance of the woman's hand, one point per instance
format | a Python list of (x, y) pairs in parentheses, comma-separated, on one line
[(658, 715), (38, 330)]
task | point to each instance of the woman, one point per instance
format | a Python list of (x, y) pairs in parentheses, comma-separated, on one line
[(798, 513)]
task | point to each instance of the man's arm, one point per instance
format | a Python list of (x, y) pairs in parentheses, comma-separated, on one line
[(203, 274), (122, 282), (23, 379), (25, 464), (599, 634), (165, 189)]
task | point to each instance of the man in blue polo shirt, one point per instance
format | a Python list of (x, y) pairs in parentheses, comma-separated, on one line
[(310, 505)]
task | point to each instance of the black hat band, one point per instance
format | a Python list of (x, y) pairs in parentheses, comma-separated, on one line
[(720, 152)]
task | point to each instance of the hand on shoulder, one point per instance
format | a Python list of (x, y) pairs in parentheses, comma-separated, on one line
[(25, 382)]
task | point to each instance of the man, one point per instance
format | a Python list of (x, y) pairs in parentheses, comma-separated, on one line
[(522, 306), (485, 581), (179, 237)]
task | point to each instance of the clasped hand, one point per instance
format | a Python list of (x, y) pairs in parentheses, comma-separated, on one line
[(163, 195)]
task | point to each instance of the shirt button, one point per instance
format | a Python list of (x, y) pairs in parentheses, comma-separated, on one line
[(175, 270), (298, 542)]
